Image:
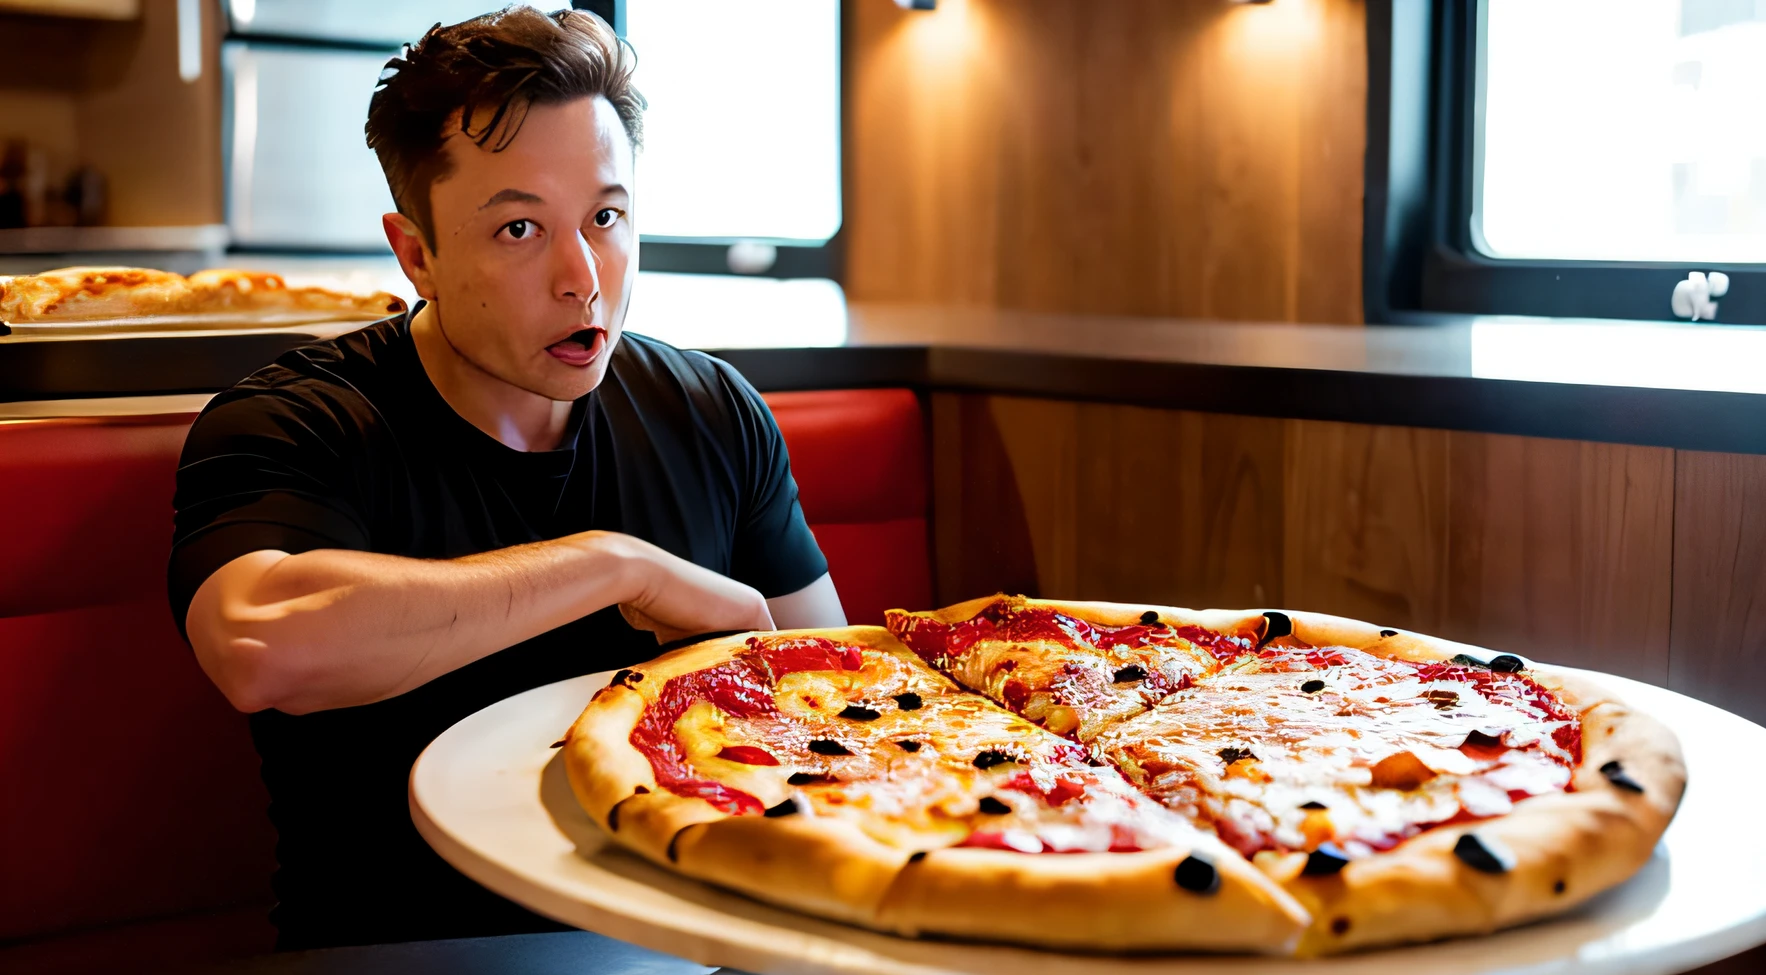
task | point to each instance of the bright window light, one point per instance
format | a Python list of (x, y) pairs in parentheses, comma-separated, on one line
[(1623, 130), (742, 137), (721, 311)]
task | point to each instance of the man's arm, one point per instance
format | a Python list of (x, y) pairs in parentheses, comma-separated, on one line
[(816, 604), (333, 628)]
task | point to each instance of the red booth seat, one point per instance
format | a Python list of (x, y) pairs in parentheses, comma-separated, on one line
[(135, 831)]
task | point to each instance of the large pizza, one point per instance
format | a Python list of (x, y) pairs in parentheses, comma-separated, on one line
[(1106, 777)]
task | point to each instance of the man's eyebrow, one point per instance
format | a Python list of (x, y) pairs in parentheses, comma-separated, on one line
[(511, 196), (612, 189)]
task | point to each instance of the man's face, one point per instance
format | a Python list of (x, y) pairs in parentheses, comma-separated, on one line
[(535, 249)]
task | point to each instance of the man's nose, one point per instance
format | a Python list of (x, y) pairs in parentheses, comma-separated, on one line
[(578, 271)]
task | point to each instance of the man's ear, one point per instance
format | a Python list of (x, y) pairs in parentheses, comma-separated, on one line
[(413, 254)]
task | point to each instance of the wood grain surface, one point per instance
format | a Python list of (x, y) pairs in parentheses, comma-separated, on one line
[(1133, 157), (1366, 522), (1717, 651), (1631, 560)]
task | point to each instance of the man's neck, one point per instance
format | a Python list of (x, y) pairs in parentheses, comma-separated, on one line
[(515, 417)]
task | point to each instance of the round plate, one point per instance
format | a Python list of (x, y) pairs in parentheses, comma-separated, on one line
[(490, 795)]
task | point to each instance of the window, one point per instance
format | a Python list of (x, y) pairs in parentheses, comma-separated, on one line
[(1572, 158), (742, 134), (1644, 140)]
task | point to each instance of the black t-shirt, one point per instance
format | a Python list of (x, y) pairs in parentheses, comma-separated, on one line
[(347, 444)]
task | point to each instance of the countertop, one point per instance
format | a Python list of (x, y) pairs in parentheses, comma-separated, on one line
[(1664, 384)]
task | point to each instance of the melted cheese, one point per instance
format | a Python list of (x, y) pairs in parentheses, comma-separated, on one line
[(1378, 747), (1047, 796)]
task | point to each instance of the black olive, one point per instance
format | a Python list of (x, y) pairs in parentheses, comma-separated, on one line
[(1467, 660), (1313, 804), (1339, 926), (613, 816), (560, 743), (855, 713), (1279, 625), (917, 856), (1149, 617), (822, 746), (1132, 672), (993, 807), (674, 853), (1388, 632), (1325, 860), (1197, 875), (1615, 774), (908, 746), (1557, 887), (1507, 663), (992, 757), (1478, 739), (639, 790), (908, 702), (808, 778), (1312, 686), (787, 808), (1485, 856), (1233, 753), (625, 677)]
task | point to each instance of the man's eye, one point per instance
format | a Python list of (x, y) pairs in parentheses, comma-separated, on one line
[(606, 217), (518, 229)]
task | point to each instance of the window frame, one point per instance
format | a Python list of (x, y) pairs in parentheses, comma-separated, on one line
[(1417, 251), (711, 255)]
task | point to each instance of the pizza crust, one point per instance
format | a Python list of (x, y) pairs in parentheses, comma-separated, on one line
[(1132, 902)]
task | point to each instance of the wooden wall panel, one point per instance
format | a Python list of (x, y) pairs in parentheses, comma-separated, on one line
[(1718, 649), (1639, 561), (1105, 502), (1179, 508), (1366, 516), (1562, 551), (1132, 157)]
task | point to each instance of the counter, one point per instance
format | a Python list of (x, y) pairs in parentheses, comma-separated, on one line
[(1699, 387)]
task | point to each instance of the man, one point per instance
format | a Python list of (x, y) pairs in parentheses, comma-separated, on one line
[(378, 535)]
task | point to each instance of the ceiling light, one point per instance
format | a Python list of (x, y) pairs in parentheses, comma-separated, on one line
[(917, 4)]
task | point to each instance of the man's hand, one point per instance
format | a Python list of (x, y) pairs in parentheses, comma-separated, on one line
[(679, 599)]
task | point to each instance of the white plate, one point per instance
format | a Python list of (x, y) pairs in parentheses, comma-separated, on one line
[(491, 796)]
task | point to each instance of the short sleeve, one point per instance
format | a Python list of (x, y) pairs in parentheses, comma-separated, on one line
[(774, 551), (263, 469)]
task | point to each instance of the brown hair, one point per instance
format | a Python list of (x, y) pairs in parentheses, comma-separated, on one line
[(501, 63)]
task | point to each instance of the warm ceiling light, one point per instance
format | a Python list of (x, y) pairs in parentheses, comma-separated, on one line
[(917, 4)]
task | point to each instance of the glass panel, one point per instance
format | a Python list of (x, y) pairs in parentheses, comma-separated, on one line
[(742, 137), (1626, 130), (299, 171)]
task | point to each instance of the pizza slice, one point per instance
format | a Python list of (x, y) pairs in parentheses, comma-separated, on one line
[(1073, 667), (835, 772), (1404, 788)]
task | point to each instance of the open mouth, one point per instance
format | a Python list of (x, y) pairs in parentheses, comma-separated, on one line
[(582, 347)]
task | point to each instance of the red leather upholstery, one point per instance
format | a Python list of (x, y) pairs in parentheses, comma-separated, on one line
[(860, 462), (135, 812)]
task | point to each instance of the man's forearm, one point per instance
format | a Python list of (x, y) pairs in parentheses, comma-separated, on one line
[(335, 628)]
